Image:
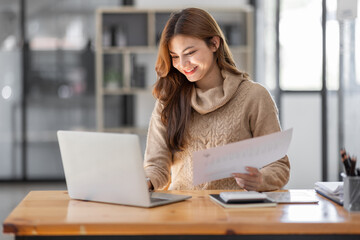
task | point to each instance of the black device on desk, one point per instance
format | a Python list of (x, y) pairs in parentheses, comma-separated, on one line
[(242, 200)]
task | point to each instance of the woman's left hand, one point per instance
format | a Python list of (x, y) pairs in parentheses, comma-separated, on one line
[(249, 181)]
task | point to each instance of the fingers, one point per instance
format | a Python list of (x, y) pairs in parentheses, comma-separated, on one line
[(251, 186), (250, 180), (240, 182), (246, 178), (252, 176), (252, 170)]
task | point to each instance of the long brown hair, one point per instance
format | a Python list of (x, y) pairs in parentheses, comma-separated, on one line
[(172, 88)]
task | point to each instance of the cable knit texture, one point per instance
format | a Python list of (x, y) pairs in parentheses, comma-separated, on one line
[(237, 110)]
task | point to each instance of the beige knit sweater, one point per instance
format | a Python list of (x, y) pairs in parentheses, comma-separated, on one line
[(240, 109)]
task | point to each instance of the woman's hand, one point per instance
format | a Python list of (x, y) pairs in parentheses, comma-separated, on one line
[(249, 181)]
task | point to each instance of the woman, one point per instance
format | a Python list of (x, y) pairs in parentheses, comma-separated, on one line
[(203, 101)]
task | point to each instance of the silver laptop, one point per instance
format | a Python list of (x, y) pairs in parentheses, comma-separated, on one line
[(108, 167)]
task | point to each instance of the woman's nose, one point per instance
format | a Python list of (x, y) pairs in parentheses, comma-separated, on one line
[(183, 62)]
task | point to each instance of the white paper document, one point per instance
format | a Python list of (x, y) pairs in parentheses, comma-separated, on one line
[(332, 188), (220, 162)]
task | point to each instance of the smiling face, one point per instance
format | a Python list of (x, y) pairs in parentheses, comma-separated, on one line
[(193, 57)]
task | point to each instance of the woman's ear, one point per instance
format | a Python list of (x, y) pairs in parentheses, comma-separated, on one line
[(215, 43)]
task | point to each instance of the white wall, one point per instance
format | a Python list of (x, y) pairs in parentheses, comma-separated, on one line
[(333, 143), (303, 113)]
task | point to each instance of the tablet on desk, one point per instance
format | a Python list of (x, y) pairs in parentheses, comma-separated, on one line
[(293, 196)]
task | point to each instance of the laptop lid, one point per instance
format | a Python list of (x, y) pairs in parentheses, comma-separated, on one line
[(107, 167), (104, 167)]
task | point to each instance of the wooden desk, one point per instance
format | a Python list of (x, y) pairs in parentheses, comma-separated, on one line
[(53, 214)]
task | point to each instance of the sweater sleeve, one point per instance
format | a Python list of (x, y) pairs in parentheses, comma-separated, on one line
[(158, 158), (263, 120)]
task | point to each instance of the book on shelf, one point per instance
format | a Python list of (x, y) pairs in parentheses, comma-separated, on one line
[(251, 204)]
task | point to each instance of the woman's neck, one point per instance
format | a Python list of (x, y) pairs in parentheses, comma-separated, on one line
[(211, 80)]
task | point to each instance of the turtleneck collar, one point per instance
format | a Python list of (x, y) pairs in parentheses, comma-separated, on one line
[(207, 101)]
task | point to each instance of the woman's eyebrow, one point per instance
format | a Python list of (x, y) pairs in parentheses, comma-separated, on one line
[(183, 50)]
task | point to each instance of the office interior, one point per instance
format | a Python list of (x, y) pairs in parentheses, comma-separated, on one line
[(304, 51)]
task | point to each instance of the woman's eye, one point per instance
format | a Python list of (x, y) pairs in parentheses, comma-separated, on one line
[(173, 57), (190, 53)]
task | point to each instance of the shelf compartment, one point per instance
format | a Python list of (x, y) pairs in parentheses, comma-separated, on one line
[(126, 29)]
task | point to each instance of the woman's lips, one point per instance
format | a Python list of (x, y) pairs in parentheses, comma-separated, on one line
[(191, 71)]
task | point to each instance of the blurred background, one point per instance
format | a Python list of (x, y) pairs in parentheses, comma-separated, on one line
[(89, 65)]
